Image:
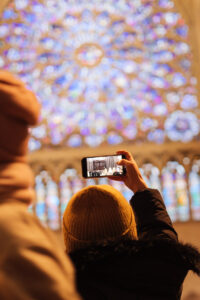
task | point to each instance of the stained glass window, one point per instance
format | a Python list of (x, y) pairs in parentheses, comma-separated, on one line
[(171, 181), (40, 188), (103, 180), (47, 204), (151, 175), (70, 183), (104, 71), (52, 202), (127, 193), (118, 185), (175, 192), (194, 182)]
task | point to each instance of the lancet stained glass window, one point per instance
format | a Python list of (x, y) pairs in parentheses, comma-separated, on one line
[(40, 207), (70, 183), (194, 183), (104, 71), (47, 200), (151, 175), (52, 202), (175, 194)]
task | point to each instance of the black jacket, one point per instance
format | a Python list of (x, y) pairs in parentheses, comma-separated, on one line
[(150, 268)]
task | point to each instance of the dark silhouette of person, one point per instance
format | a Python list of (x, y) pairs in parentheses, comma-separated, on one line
[(126, 251)]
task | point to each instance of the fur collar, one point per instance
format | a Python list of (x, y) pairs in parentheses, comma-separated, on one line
[(180, 253)]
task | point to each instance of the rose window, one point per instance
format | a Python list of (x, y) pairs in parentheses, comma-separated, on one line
[(105, 72)]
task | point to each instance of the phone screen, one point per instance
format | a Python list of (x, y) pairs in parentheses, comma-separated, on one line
[(102, 166)]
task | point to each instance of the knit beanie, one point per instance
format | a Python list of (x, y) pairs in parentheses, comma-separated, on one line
[(19, 110), (97, 214)]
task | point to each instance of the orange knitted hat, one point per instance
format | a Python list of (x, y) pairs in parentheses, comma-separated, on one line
[(95, 214), (19, 110)]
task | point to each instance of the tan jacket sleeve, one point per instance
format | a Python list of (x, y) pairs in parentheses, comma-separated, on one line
[(33, 264)]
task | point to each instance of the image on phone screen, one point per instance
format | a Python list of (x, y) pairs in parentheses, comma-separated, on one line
[(102, 166)]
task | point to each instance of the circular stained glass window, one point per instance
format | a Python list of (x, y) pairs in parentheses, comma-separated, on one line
[(104, 71)]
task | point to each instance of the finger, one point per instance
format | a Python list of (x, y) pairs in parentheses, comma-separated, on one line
[(117, 178), (123, 162), (126, 153)]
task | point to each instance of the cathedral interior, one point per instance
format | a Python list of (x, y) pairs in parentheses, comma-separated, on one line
[(111, 75)]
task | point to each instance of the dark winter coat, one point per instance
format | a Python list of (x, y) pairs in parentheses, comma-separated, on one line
[(150, 268)]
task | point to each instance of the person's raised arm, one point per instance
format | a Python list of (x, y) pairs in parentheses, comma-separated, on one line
[(149, 209)]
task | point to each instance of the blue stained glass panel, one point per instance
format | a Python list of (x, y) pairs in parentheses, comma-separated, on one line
[(66, 193), (69, 184), (40, 208), (175, 193), (52, 202), (194, 184), (169, 194), (151, 175)]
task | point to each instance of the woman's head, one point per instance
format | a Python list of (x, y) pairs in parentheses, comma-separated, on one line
[(95, 214)]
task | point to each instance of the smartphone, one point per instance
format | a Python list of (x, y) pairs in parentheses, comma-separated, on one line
[(102, 166)]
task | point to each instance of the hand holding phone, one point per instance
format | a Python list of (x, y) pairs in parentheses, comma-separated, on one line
[(102, 166), (133, 178)]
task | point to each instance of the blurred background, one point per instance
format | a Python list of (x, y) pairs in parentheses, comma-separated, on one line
[(110, 75)]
